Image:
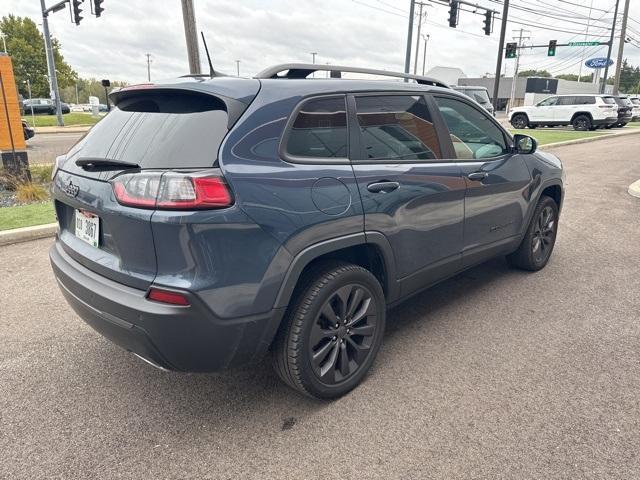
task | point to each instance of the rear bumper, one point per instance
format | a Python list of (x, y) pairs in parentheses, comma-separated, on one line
[(172, 337), (604, 121)]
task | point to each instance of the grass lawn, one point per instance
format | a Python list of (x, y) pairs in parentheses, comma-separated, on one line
[(634, 125), (545, 136), (26, 215), (73, 118)]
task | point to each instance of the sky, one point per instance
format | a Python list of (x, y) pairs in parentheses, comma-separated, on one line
[(368, 33)]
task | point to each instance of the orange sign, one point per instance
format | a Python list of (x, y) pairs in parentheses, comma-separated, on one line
[(11, 133)]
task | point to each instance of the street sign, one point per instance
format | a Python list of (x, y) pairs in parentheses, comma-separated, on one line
[(599, 62), (583, 44)]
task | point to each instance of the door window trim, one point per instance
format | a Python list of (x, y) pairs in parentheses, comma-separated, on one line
[(508, 139), (284, 139)]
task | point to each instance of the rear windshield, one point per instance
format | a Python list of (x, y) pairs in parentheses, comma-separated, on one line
[(623, 101), (479, 95), (159, 130)]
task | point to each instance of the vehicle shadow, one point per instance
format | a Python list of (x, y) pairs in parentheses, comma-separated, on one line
[(232, 398)]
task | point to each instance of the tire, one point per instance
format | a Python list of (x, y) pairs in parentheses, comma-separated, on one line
[(314, 356), (532, 127), (519, 121), (581, 123), (536, 246), (622, 125)]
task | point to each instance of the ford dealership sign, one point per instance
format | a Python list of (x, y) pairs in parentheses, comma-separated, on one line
[(599, 62)]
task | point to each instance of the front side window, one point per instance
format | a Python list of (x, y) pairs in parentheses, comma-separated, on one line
[(548, 102), (320, 129), (473, 133), (397, 127)]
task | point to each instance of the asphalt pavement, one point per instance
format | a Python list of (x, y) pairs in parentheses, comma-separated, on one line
[(494, 374), (45, 147)]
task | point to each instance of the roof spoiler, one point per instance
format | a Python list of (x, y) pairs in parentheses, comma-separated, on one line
[(303, 70)]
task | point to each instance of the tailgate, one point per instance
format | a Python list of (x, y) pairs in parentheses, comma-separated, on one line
[(125, 251)]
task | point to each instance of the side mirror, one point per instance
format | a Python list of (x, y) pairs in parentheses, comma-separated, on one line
[(524, 144)]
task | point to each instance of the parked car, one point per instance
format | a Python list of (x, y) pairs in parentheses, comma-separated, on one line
[(636, 108), (44, 106), (208, 222), (583, 112), (28, 131), (625, 110), (479, 94), (76, 107)]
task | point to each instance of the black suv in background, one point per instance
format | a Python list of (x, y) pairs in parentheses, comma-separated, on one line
[(625, 110), (43, 106)]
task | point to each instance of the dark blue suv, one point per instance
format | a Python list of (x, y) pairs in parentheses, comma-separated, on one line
[(209, 221)]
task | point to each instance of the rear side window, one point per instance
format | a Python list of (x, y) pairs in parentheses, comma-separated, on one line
[(159, 130), (319, 129), (474, 135), (567, 101), (396, 127), (635, 101), (609, 100)]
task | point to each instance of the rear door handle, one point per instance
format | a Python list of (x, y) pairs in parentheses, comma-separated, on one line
[(477, 175), (382, 187)]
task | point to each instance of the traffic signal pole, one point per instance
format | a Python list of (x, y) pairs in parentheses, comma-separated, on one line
[(53, 79), (503, 32)]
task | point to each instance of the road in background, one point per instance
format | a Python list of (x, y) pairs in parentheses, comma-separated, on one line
[(496, 373), (45, 147)]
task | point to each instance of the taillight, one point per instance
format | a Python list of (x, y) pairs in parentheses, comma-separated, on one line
[(167, 296), (172, 190)]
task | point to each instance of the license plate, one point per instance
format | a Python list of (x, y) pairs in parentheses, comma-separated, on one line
[(87, 227)]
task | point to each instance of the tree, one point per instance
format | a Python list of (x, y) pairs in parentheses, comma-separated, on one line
[(574, 78), (25, 45), (534, 73)]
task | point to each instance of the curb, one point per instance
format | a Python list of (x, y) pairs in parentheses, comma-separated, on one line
[(54, 130), (635, 131), (17, 235), (634, 189)]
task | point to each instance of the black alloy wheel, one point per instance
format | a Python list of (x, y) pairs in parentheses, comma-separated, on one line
[(342, 334), (543, 235)]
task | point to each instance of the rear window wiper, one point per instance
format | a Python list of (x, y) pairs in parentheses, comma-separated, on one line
[(104, 164)]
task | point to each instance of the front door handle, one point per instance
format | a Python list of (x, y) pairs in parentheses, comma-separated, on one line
[(382, 187), (477, 176)]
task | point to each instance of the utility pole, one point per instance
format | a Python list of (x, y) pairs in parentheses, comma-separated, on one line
[(623, 35), (512, 96), (407, 58), (53, 79), (191, 36), (415, 62), (613, 31), (424, 54), (238, 66), (586, 35), (148, 66), (503, 31)]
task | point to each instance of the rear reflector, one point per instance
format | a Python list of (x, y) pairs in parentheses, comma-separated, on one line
[(166, 296), (172, 190)]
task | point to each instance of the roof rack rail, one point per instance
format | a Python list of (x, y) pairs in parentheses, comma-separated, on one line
[(303, 70)]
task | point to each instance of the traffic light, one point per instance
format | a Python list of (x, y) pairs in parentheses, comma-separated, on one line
[(488, 20), (76, 11), (512, 48), (97, 7), (453, 13), (551, 52)]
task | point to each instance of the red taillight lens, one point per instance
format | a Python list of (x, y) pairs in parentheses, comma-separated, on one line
[(166, 296), (172, 191)]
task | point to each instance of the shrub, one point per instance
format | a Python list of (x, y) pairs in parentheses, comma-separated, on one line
[(41, 173), (31, 192)]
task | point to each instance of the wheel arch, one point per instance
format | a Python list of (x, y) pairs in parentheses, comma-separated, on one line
[(370, 250), (587, 114)]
